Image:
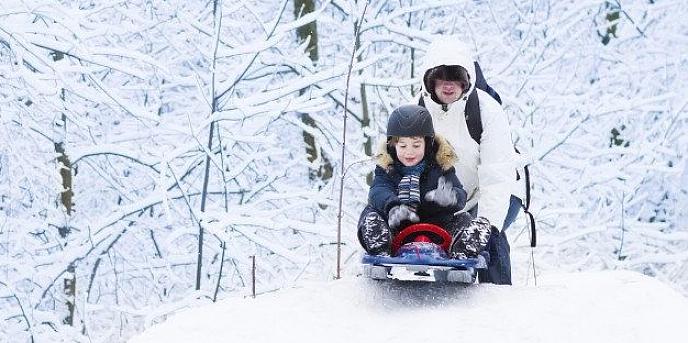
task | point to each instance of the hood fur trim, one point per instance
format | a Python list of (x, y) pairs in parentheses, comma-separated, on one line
[(445, 157), (448, 50)]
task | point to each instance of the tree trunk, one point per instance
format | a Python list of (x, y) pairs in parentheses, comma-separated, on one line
[(313, 151), (365, 113), (302, 7), (612, 16), (409, 23), (217, 26), (65, 168), (66, 175)]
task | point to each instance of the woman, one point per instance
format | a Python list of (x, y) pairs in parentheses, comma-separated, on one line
[(487, 167)]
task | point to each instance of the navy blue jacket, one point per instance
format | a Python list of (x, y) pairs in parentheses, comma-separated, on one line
[(383, 192)]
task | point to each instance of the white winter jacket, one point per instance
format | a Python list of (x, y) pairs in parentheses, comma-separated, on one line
[(488, 170)]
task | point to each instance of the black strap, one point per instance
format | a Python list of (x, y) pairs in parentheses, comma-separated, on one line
[(533, 236), (526, 171), (526, 209), (475, 125), (481, 83), (473, 120), (526, 203)]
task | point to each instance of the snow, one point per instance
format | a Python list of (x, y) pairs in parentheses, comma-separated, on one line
[(174, 120), (611, 306), (684, 177)]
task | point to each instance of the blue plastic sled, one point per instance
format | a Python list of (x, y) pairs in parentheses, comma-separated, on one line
[(419, 252)]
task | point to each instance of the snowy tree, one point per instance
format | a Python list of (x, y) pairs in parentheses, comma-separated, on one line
[(177, 124), (177, 130)]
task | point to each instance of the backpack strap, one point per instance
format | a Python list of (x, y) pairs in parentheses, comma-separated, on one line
[(481, 83), (526, 209), (473, 121), (526, 203)]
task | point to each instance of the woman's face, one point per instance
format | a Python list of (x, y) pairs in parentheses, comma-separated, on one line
[(410, 150), (448, 91)]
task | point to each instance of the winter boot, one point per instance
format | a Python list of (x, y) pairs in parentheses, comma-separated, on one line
[(374, 233), (470, 240)]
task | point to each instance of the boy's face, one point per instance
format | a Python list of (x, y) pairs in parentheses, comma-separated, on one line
[(448, 91), (410, 150)]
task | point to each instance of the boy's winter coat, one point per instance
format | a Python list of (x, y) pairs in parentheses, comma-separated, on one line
[(383, 192), (487, 171)]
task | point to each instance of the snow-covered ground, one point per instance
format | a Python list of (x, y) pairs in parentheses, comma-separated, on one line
[(582, 308)]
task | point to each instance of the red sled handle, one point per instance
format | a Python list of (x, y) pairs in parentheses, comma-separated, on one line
[(422, 232)]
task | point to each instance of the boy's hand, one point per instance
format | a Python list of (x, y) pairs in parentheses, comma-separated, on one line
[(444, 195), (400, 213)]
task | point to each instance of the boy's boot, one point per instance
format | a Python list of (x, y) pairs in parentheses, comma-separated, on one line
[(375, 234)]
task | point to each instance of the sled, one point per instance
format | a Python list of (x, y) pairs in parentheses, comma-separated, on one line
[(419, 253)]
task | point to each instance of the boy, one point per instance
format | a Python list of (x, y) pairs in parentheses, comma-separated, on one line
[(414, 182)]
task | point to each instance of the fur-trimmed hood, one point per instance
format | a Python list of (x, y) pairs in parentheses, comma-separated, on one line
[(445, 157), (448, 50)]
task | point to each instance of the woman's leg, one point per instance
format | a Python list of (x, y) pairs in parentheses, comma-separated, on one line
[(499, 269)]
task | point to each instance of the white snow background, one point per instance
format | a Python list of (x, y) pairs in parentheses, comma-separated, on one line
[(614, 306), (182, 124)]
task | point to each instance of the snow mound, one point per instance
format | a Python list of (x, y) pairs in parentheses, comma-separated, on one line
[(583, 307)]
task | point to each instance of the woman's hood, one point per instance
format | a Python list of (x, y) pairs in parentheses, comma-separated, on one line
[(448, 51)]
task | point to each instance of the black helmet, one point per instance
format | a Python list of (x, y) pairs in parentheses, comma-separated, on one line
[(410, 121)]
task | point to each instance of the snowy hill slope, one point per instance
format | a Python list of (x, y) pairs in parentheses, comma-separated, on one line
[(585, 307)]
